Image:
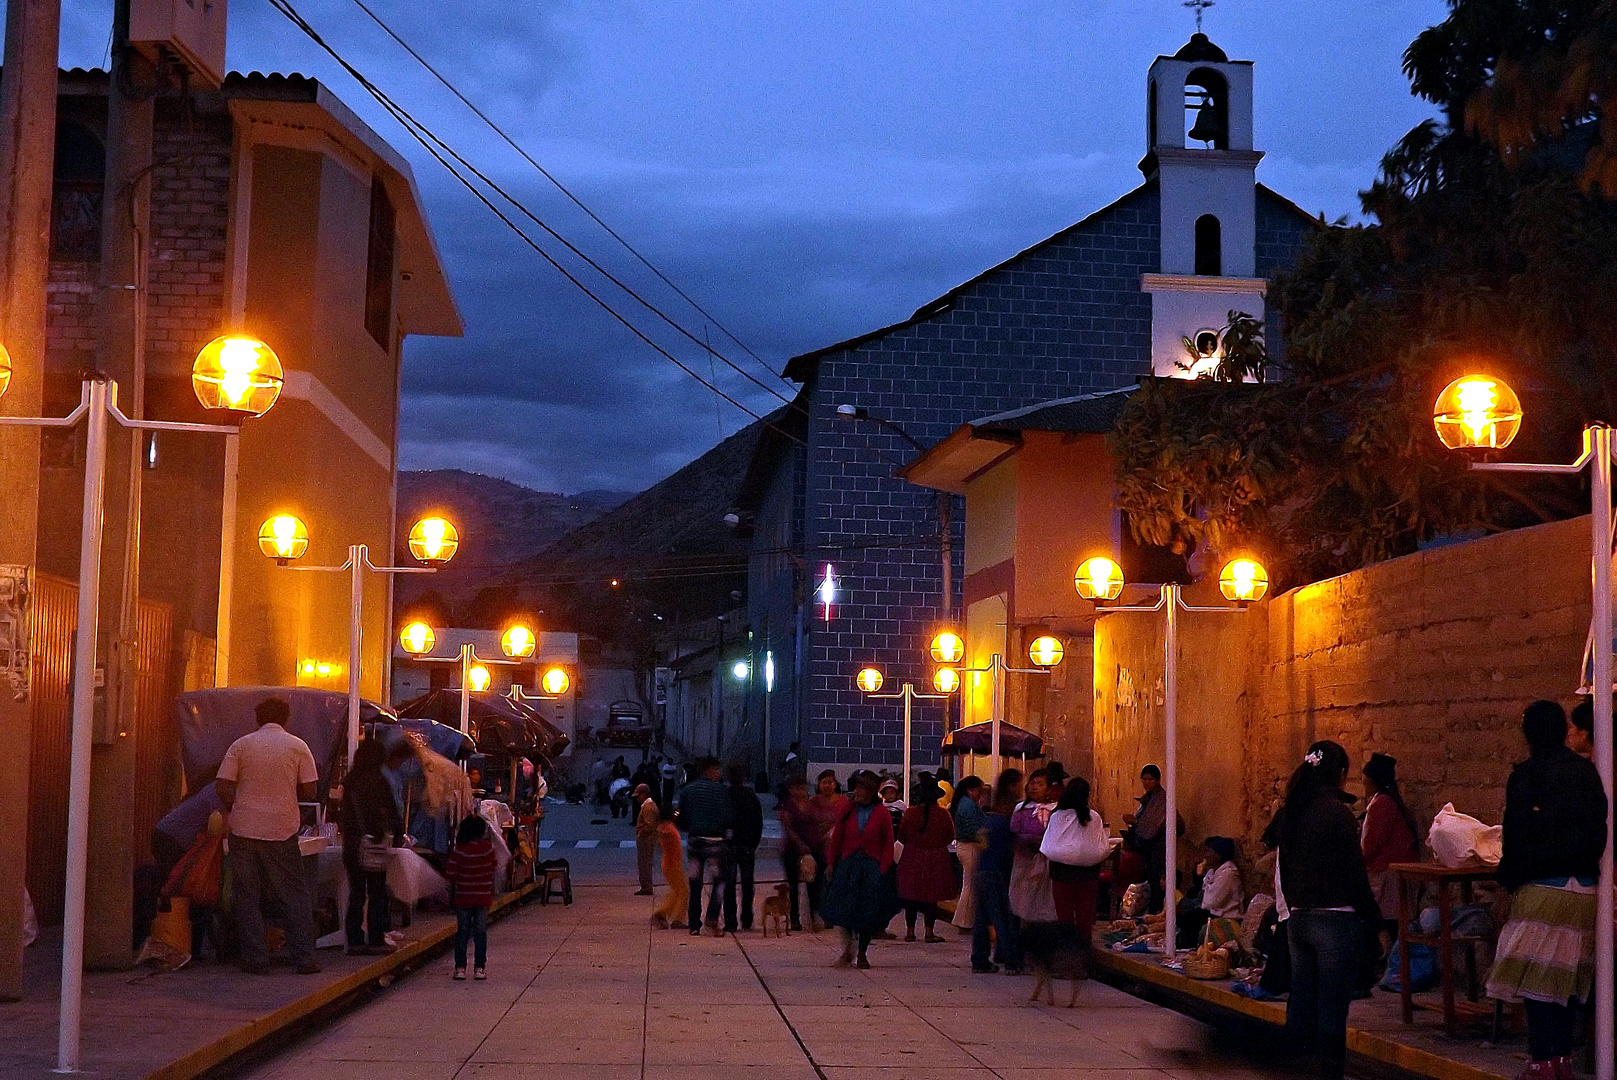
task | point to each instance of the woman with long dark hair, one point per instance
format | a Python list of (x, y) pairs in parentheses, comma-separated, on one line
[(994, 884), (1555, 833), (925, 874), (1323, 879), (370, 823), (1075, 887), (1388, 836)]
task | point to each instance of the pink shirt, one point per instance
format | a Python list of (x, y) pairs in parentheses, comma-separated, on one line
[(267, 766)]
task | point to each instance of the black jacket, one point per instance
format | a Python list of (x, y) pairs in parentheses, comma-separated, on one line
[(368, 809), (1555, 819), (1321, 863), (746, 817)]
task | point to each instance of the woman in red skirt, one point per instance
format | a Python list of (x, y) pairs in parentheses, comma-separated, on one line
[(925, 873)]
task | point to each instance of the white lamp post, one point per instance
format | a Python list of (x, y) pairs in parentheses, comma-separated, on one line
[(1478, 412), (869, 680), (235, 374), (1100, 581), (433, 541), (947, 648), (517, 643)]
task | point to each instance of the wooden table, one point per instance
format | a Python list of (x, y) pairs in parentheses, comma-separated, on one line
[(1445, 939)]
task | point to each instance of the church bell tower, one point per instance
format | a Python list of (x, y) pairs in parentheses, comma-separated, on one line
[(1199, 151)]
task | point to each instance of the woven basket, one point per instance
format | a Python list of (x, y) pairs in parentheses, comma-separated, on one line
[(1218, 967)]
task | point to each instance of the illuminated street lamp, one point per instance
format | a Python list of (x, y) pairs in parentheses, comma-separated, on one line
[(741, 669), (1481, 412), (418, 639), (1248, 581), (948, 647), (478, 678), (1046, 651), (946, 680), (283, 538), (1099, 580), (555, 682), (518, 642), (247, 387), (433, 540), (869, 681)]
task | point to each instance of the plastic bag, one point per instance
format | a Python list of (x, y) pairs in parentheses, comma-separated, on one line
[(1066, 841), (411, 879), (1457, 839), (199, 875), (1135, 898), (168, 946)]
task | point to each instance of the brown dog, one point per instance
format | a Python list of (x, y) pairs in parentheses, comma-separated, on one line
[(778, 907)]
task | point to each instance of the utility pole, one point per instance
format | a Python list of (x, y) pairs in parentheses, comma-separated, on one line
[(27, 160), (121, 355)]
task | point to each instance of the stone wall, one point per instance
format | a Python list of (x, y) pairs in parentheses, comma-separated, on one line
[(1429, 658)]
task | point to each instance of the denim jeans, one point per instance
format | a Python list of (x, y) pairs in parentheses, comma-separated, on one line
[(742, 862), (1326, 950), (271, 870), (471, 923), (993, 891), (368, 916), (703, 857)]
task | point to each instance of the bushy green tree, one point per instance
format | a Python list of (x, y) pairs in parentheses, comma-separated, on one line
[(1491, 248)]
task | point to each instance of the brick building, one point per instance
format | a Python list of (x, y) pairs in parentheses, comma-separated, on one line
[(276, 211), (1092, 308)]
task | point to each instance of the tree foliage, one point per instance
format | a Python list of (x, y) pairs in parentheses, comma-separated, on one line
[(1489, 250)]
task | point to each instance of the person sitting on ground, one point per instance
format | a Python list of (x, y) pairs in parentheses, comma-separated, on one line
[(1388, 836), (925, 874), (1213, 914), (1555, 835)]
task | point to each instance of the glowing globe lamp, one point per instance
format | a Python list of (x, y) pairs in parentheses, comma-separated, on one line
[(869, 680), (518, 642), (478, 678), (946, 680), (237, 373), (1477, 412), (1243, 581), (418, 639), (1046, 651), (555, 681), (948, 647), (434, 541), (1099, 579), (283, 538), (741, 669)]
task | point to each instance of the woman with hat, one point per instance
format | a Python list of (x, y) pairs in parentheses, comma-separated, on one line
[(925, 874), (861, 899), (1388, 836)]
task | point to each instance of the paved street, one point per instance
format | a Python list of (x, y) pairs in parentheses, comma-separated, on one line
[(590, 991)]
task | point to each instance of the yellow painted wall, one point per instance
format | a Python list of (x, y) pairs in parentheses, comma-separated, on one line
[(991, 517)]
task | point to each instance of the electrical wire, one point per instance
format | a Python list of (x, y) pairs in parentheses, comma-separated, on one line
[(576, 201), (431, 143)]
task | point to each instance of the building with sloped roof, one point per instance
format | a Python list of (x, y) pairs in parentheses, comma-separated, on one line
[(1091, 309)]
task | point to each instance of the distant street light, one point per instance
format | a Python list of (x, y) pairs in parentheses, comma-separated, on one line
[(555, 682), (1248, 581), (244, 379), (869, 680), (418, 639), (948, 647), (741, 669), (517, 643), (1478, 412), (432, 540)]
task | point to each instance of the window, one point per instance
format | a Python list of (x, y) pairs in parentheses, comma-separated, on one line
[(1209, 246), (77, 182), (379, 268)]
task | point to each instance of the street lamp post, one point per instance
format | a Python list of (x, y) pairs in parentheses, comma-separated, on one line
[(947, 648), (1478, 412), (235, 374), (432, 540), (870, 680), (518, 643), (1100, 581)]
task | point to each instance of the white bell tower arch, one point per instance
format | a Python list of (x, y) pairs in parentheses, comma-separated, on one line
[(1199, 151)]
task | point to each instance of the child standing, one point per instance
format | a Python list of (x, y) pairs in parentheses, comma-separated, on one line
[(471, 881)]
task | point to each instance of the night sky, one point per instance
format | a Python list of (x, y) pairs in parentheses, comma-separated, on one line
[(806, 170)]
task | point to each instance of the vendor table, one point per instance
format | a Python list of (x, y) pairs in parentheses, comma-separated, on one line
[(1445, 939)]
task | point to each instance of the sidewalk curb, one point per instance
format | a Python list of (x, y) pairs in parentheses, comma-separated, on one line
[(235, 1044), (1408, 1060)]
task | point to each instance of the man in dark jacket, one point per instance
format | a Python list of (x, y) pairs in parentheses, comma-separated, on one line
[(746, 830), (705, 816)]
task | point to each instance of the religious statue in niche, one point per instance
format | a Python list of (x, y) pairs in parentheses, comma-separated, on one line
[(14, 596)]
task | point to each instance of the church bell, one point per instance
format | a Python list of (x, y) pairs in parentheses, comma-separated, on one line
[(1208, 128)]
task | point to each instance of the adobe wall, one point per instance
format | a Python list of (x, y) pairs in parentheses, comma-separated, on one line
[(1429, 658)]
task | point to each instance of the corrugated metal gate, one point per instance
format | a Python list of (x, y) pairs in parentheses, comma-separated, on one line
[(55, 617)]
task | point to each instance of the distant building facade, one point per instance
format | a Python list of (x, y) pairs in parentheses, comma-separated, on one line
[(1095, 307)]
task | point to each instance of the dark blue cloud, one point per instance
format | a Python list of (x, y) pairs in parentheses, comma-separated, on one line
[(807, 171)]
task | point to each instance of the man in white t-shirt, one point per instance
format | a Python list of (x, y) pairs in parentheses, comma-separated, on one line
[(260, 782)]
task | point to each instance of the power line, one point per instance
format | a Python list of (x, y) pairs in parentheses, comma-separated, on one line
[(427, 138), (630, 248)]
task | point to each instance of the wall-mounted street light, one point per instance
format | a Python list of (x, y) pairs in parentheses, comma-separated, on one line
[(869, 681), (432, 540), (1242, 576), (1478, 412), (247, 387)]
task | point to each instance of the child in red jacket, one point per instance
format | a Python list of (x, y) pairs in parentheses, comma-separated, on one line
[(471, 881)]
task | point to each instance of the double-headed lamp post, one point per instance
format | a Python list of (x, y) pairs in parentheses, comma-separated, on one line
[(235, 374), (948, 650), (433, 541), (1100, 581), (1479, 412), (518, 643), (869, 680)]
